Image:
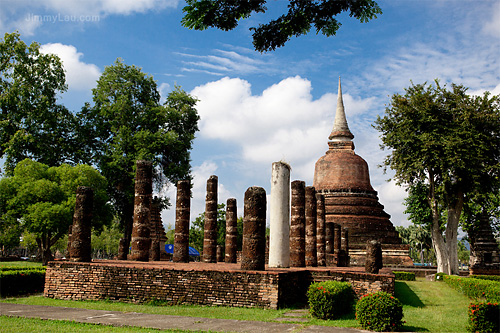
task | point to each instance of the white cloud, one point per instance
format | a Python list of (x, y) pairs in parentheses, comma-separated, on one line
[(284, 122), (79, 75), (201, 173), (164, 89), (27, 15), (492, 26), (221, 62)]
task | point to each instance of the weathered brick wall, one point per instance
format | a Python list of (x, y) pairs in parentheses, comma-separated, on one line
[(267, 289), (362, 283), (79, 281)]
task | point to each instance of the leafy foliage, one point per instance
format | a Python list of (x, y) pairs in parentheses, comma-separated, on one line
[(197, 230), (448, 141), (126, 123), (41, 200), (475, 288), (21, 281), (32, 124), (487, 277), (330, 299), (419, 239), (484, 317), (380, 312), (300, 18), (405, 276)]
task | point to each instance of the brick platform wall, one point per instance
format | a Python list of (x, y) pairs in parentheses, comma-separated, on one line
[(127, 283)]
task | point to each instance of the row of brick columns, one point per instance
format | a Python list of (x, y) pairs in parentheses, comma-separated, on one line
[(299, 235)]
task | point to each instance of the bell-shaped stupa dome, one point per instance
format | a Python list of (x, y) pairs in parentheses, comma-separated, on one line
[(344, 179)]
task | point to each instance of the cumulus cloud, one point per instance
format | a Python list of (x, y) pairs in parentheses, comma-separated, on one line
[(285, 122), (79, 75), (200, 173)]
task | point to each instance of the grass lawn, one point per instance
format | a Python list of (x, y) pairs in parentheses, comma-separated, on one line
[(23, 264), (432, 306), (427, 306)]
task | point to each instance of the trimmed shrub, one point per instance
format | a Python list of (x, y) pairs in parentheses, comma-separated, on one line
[(405, 276), (475, 288), (18, 282), (330, 299), (380, 312), (484, 317), (486, 277), (440, 276)]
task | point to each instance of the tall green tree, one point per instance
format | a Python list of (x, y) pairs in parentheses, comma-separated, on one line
[(449, 141), (126, 123), (32, 124), (41, 200), (302, 15)]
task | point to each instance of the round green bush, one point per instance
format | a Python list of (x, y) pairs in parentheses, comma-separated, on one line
[(330, 299), (380, 312)]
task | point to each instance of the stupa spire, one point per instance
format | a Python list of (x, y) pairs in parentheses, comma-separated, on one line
[(340, 131)]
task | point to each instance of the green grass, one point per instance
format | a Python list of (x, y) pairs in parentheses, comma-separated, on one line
[(432, 307), (427, 306), (20, 264), (16, 324)]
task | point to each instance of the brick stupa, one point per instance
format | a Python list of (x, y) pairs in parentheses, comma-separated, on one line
[(350, 200)]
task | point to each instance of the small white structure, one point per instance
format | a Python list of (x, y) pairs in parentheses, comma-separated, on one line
[(279, 238)]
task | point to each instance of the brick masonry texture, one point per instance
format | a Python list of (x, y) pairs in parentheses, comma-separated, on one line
[(198, 283)]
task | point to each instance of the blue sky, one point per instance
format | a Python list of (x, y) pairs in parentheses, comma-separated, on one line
[(260, 108)]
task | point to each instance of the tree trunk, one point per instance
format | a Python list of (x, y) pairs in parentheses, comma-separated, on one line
[(452, 233), (127, 220), (438, 241), (44, 249)]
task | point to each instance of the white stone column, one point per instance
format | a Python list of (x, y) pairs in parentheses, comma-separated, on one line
[(279, 238)]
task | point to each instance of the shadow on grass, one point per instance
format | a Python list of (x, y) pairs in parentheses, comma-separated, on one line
[(406, 296), (408, 328)]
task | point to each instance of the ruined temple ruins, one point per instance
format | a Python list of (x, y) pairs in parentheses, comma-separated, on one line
[(350, 201)]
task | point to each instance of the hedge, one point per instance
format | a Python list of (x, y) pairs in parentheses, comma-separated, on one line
[(484, 317), (380, 312), (487, 277), (330, 299), (405, 276), (26, 281), (475, 288)]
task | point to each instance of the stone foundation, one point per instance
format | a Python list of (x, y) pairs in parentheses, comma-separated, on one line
[(198, 283)]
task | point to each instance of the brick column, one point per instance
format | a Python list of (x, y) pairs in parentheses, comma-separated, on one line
[(373, 261), (182, 212), (80, 248), (231, 231), (310, 211), (320, 229), (210, 233), (141, 241), (297, 225), (254, 230)]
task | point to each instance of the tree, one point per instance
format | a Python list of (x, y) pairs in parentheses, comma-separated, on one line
[(126, 123), (32, 124), (448, 141), (302, 15), (105, 243), (197, 230), (41, 200), (419, 239)]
